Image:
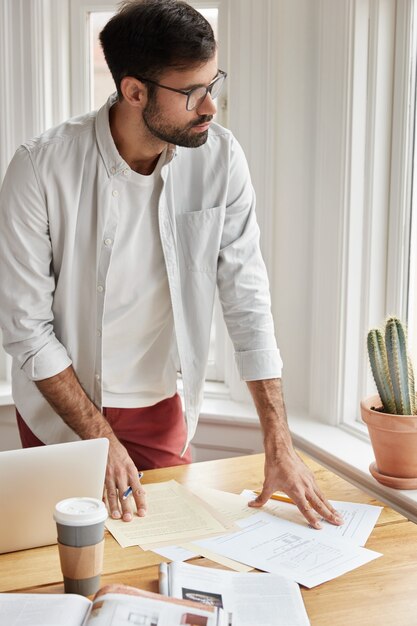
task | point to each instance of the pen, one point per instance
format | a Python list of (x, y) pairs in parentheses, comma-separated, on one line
[(129, 489), (278, 496)]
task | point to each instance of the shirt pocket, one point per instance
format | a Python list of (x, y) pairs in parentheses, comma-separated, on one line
[(199, 234)]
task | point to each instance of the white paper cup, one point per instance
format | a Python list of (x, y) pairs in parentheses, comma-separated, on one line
[(80, 527)]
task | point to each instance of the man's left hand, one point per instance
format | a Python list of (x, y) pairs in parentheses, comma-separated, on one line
[(290, 475)]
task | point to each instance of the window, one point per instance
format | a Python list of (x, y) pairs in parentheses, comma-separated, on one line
[(361, 217), (101, 81)]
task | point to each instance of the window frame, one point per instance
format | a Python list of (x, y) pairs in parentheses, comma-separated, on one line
[(362, 199), (80, 61), (375, 206)]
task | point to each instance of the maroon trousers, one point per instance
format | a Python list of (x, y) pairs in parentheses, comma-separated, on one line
[(153, 436)]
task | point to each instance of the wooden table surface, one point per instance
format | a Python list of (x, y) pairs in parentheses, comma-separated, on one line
[(381, 593)]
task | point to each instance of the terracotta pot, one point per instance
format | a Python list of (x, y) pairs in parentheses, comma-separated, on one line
[(394, 440)]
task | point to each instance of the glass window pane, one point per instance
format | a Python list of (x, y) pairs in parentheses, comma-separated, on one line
[(212, 16), (102, 84)]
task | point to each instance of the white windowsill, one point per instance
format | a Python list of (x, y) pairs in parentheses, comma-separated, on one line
[(219, 408)]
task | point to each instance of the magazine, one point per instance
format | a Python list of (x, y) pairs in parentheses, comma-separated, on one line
[(246, 598), (113, 605)]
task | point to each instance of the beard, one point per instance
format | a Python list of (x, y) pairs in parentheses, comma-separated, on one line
[(169, 133)]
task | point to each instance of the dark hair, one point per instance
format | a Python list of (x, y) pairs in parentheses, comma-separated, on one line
[(145, 37)]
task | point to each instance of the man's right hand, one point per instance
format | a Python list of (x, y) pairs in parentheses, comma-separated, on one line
[(121, 473), (69, 400)]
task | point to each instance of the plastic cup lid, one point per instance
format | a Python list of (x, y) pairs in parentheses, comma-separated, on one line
[(80, 512)]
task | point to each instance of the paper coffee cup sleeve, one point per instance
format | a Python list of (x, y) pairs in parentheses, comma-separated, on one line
[(80, 563)]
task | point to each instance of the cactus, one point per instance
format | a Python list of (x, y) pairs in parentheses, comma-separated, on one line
[(392, 368)]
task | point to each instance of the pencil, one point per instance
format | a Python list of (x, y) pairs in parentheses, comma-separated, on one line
[(129, 489), (278, 496)]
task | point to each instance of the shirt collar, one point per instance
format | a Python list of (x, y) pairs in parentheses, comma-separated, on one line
[(113, 162)]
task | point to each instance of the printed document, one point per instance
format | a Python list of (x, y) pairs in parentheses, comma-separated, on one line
[(174, 515), (359, 519), (294, 551)]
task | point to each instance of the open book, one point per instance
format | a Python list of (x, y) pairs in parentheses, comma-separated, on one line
[(113, 605), (247, 598)]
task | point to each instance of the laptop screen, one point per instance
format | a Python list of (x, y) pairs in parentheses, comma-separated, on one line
[(33, 480)]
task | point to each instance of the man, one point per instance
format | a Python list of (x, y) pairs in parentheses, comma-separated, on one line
[(116, 227)]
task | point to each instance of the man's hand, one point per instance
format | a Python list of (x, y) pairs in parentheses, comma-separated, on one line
[(290, 475), (121, 473), (69, 400), (284, 470)]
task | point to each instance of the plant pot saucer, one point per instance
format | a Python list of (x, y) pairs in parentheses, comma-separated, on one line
[(392, 481)]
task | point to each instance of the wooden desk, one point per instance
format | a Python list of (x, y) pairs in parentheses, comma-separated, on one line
[(382, 592)]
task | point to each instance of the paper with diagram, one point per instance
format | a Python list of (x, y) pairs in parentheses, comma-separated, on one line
[(359, 519), (275, 545)]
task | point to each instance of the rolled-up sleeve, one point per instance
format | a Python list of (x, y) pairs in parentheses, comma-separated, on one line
[(27, 281), (242, 279)]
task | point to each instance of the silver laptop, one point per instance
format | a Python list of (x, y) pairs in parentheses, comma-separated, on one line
[(33, 480)]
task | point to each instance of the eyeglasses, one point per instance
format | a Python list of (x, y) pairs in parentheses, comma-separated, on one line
[(196, 95)]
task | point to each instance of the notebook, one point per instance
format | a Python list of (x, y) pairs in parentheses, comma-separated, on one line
[(33, 480)]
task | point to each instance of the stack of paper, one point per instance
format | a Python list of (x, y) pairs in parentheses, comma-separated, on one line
[(277, 539), (174, 515)]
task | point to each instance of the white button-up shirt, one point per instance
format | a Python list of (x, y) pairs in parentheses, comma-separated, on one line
[(58, 211)]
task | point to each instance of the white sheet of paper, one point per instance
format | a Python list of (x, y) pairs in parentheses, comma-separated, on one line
[(174, 515), (176, 553), (359, 519), (276, 545), (231, 506), (190, 551), (218, 558)]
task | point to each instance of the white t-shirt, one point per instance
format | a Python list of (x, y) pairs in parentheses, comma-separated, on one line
[(138, 365)]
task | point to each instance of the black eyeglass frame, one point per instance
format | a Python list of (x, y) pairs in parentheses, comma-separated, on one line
[(187, 92)]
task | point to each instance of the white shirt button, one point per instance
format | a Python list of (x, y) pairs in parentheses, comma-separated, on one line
[(115, 193), (108, 242), (113, 170), (126, 172), (97, 377), (100, 288)]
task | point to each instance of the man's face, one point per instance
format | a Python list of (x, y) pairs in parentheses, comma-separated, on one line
[(165, 114)]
